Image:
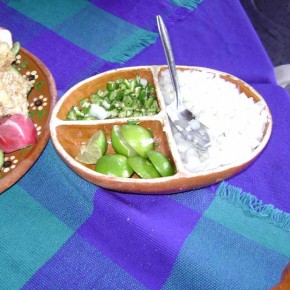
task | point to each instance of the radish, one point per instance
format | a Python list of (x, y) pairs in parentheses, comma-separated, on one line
[(16, 132)]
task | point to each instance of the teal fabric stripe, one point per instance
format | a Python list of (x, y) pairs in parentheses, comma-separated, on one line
[(116, 46), (49, 13), (189, 4), (130, 45), (39, 236), (60, 190), (254, 227), (211, 254), (252, 206)]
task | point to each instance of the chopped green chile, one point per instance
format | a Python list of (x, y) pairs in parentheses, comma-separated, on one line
[(121, 98)]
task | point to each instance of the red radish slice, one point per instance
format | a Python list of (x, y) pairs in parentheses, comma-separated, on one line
[(16, 132)]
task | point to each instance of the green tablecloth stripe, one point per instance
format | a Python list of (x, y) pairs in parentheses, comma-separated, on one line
[(255, 227), (31, 237)]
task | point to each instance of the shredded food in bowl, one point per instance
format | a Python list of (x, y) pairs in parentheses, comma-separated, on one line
[(14, 87), (17, 130)]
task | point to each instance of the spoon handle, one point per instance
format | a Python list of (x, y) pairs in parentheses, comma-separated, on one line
[(169, 56)]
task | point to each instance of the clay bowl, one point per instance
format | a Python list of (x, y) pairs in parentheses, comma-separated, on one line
[(42, 99), (67, 136)]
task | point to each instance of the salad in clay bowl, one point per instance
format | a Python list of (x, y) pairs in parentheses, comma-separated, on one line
[(17, 130)]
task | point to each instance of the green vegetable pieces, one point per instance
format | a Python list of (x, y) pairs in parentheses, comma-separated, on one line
[(120, 99)]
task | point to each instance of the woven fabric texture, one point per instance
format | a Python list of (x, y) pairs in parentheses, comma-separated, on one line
[(58, 231)]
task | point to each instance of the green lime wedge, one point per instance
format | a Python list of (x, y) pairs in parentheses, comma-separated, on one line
[(143, 167), (1, 158), (161, 163), (98, 140), (119, 144), (93, 149), (89, 157), (139, 138), (114, 165)]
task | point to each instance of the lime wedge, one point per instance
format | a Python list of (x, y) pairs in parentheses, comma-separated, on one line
[(143, 167), (139, 138), (87, 157), (114, 165), (119, 144), (93, 149), (161, 163), (98, 140)]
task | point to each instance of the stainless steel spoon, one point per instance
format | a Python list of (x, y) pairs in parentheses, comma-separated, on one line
[(180, 116)]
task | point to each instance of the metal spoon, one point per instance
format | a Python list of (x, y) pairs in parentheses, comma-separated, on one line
[(179, 115)]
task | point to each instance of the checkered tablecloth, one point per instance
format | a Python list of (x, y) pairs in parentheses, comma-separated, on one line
[(58, 231)]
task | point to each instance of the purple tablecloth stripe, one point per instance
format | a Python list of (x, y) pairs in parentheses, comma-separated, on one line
[(112, 240), (144, 236)]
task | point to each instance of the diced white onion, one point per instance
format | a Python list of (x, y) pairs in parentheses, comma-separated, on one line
[(194, 124), (143, 82), (99, 112), (235, 122)]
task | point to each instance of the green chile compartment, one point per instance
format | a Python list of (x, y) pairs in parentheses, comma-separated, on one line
[(90, 86)]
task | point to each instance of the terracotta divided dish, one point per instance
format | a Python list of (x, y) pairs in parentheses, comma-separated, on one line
[(67, 136), (42, 99)]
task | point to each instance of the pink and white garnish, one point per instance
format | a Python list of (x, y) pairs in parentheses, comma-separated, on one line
[(16, 132)]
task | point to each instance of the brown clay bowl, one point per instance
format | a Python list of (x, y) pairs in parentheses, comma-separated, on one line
[(284, 283), (44, 91), (67, 136)]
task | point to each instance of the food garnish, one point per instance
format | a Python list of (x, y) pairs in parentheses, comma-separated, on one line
[(16, 132), (114, 165), (121, 98), (134, 152), (235, 122), (93, 149)]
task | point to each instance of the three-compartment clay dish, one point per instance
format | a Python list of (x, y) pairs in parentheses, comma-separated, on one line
[(87, 119)]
